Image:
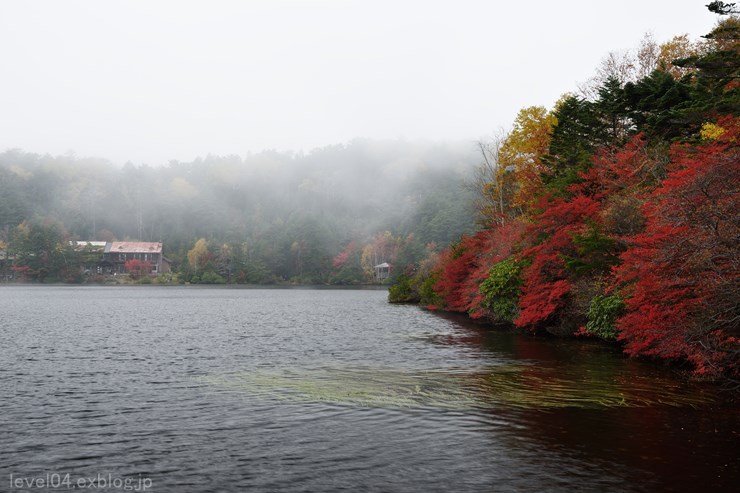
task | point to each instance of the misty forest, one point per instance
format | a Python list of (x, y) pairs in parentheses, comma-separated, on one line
[(611, 215), (326, 217)]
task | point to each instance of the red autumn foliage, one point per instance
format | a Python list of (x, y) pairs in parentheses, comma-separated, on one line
[(627, 168), (457, 264), (342, 257), (546, 281), (677, 224), (606, 198), (682, 274), (137, 268), (462, 267), (499, 243), (22, 273)]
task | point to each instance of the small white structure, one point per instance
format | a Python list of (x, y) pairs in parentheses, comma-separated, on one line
[(382, 271)]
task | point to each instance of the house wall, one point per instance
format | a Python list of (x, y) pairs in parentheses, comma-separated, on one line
[(118, 259)]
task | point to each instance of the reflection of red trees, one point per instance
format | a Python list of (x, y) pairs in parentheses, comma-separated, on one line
[(137, 268)]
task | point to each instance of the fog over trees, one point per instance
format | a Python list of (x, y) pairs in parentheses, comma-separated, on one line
[(267, 217)]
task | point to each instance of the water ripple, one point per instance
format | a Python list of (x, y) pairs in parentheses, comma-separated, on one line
[(230, 390)]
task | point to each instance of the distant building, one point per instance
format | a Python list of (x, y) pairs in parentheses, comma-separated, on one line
[(117, 253), (88, 245), (382, 271)]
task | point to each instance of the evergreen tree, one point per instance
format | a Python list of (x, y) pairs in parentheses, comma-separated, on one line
[(578, 133)]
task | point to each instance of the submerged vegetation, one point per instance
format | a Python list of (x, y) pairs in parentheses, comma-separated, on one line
[(504, 386), (615, 214)]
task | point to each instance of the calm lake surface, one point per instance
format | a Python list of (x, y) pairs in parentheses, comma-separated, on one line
[(198, 389)]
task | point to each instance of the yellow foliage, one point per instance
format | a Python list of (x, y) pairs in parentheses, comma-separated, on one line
[(677, 48), (522, 152), (711, 131), (382, 248), (724, 35), (198, 255)]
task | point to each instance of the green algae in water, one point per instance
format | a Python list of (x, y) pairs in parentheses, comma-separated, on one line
[(368, 388), (505, 386)]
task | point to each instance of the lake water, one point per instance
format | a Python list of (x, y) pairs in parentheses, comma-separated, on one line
[(187, 389)]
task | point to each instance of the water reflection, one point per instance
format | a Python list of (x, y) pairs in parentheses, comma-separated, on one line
[(669, 434)]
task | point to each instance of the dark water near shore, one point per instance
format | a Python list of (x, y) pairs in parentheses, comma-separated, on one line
[(335, 390)]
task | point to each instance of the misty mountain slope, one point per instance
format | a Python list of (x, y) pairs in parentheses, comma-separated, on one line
[(276, 206)]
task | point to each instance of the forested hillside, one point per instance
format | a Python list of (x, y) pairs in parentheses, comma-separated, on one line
[(615, 214), (323, 217)]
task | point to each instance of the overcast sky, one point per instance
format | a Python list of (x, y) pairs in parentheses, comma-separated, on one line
[(154, 80)]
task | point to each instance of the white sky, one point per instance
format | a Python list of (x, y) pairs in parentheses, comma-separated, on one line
[(154, 80)]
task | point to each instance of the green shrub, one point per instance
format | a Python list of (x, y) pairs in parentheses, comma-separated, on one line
[(403, 291), (210, 277), (502, 289), (427, 295), (603, 312)]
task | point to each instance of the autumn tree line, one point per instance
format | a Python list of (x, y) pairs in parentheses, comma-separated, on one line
[(323, 217), (614, 214)]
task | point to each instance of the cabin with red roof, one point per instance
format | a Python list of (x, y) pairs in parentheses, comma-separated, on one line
[(117, 253)]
